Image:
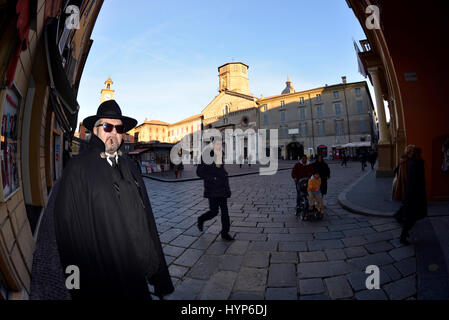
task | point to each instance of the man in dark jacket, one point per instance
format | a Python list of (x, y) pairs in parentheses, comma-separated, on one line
[(103, 218), (216, 189)]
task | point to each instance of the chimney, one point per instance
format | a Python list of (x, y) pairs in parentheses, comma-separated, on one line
[(343, 79)]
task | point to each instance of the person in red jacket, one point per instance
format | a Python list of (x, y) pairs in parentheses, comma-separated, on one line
[(302, 169)]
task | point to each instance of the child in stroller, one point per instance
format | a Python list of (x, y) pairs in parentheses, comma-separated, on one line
[(309, 203)]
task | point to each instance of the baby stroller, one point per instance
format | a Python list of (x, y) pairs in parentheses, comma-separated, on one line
[(302, 207)]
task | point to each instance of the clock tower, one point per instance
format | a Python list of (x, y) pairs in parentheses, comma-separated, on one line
[(107, 93)]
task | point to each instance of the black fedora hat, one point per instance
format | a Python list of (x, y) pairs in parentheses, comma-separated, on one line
[(109, 110)]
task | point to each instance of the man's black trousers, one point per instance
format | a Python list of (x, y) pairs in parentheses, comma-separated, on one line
[(214, 205)]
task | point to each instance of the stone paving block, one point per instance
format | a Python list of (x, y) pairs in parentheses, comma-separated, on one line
[(364, 224), (314, 256), (256, 259), (238, 247), (355, 252), (399, 254), (204, 241), (324, 269), (187, 223), (251, 237), (218, 247), (263, 246), (407, 266), (189, 257), (338, 288), (188, 289), (290, 237), (247, 229), (375, 294), (219, 286), (386, 227), (379, 221), (231, 263), (378, 259), (284, 257), (183, 241), (243, 224), (169, 259), (281, 294), (401, 289), (206, 266), (173, 251), (379, 236), (335, 254), (270, 225), (358, 232), (380, 246), (293, 246), (309, 229), (177, 271), (342, 227), (311, 286), (329, 235), (192, 231), (316, 245), (247, 295), (354, 241), (170, 234), (282, 275), (275, 230), (392, 272), (251, 279)]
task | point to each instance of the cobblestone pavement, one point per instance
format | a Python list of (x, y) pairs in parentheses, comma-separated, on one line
[(275, 255)]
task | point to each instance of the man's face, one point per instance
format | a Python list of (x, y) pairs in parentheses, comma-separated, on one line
[(112, 140), (304, 160)]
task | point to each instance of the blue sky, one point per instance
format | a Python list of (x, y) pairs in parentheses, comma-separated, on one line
[(163, 56)]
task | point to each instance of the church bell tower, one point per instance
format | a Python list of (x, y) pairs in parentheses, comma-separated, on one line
[(107, 93), (234, 77)]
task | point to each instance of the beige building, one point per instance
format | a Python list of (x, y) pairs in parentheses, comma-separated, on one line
[(322, 120)]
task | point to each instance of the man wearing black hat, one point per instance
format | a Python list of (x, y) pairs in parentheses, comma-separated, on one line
[(103, 218)]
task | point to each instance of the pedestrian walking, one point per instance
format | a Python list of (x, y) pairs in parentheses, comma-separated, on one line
[(344, 160), (180, 168), (104, 222), (415, 203), (372, 157), (216, 189), (363, 159), (323, 169)]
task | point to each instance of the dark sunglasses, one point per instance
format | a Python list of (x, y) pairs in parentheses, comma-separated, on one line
[(107, 127)]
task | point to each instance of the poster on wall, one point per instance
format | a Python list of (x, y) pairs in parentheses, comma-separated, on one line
[(10, 107)]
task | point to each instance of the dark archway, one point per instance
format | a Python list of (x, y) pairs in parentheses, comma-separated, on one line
[(294, 151)]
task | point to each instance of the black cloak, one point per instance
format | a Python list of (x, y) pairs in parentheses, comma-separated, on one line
[(105, 226)]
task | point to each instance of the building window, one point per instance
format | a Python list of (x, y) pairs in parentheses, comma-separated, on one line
[(362, 126), (302, 114), (321, 128), (337, 108), (283, 116), (336, 95), (319, 111), (301, 100), (303, 129), (318, 97), (282, 104), (339, 128), (227, 109), (265, 119), (284, 133), (265, 108), (357, 91), (360, 106)]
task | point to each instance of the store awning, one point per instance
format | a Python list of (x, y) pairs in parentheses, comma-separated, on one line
[(138, 151), (357, 144), (64, 99)]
